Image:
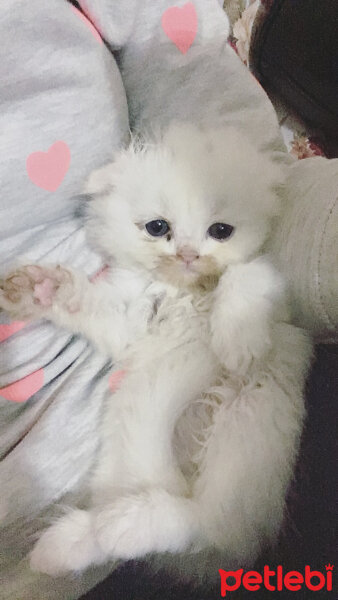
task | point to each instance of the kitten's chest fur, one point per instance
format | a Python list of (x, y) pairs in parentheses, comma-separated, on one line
[(185, 315), (175, 318)]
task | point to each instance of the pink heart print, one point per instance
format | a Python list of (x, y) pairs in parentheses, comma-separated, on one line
[(48, 169), (7, 331), (180, 25), (23, 389)]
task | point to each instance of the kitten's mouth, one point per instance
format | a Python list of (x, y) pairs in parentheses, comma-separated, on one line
[(188, 267), (193, 273)]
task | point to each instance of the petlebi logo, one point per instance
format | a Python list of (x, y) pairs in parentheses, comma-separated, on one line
[(276, 580)]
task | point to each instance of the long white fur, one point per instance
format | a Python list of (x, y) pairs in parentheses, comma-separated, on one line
[(200, 441)]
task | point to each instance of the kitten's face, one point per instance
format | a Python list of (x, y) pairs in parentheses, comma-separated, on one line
[(186, 208)]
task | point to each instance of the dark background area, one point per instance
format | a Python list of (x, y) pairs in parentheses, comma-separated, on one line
[(294, 52)]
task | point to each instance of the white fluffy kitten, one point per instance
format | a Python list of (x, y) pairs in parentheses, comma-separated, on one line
[(199, 443)]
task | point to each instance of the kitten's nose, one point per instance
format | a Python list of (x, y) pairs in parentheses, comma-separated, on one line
[(187, 254)]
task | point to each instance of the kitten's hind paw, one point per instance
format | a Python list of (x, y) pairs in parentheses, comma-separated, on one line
[(68, 545), (152, 521), (30, 291)]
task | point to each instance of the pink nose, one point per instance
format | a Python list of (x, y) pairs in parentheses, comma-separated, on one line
[(187, 254)]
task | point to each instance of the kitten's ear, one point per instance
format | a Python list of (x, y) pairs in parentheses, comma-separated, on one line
[(100, 181)]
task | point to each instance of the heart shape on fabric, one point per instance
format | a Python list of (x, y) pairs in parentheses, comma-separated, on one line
[(24, 388), (180, 25), (48, 169), (7, 330)]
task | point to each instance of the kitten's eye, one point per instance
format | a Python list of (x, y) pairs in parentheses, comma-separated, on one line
[(157, 228), (220, 231)]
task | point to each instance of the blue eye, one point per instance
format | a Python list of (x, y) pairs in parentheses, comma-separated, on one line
[(157, 228), (220, 231)]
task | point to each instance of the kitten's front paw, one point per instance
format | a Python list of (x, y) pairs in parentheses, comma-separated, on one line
[(68, 545), (152, 521), (30, 291), (245, 302)]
